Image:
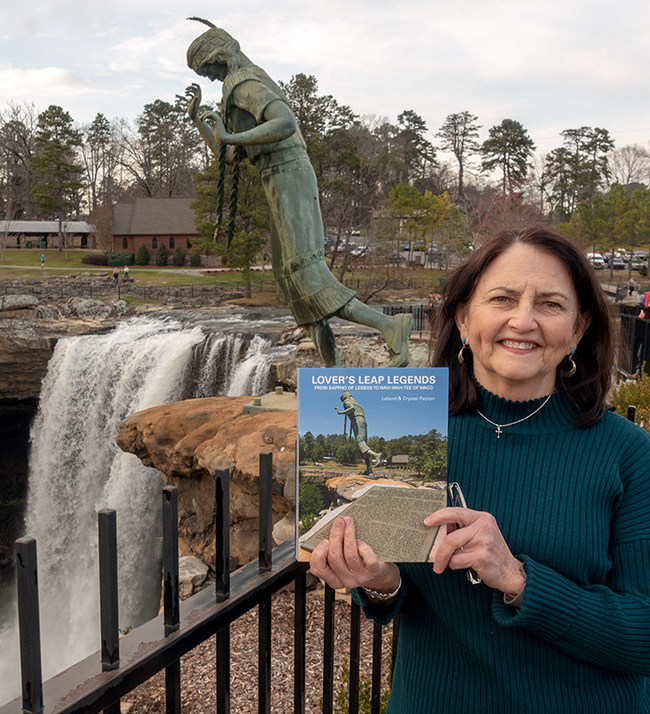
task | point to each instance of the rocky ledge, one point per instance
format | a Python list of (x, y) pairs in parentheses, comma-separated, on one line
[(188, 441)]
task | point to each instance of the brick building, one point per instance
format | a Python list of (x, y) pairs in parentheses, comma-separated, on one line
[(152, 222)]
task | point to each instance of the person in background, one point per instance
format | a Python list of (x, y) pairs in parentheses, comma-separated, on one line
[(557, 527), (116, 276), (42, 260), (126, 273)]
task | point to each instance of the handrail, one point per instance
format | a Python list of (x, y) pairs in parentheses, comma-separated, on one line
[(145, 650)]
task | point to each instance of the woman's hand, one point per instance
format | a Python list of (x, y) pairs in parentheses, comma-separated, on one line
[(475, 541), (345, 562)]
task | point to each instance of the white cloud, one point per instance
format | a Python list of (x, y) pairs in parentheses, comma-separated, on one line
[(34, 84)]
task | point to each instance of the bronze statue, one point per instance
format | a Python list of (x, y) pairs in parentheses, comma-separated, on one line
[(256, 116), (359, 427)]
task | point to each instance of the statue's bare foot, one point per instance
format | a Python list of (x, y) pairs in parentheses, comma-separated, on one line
[(398, 347)]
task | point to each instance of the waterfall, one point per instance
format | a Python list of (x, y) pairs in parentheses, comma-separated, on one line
[(92, 383)]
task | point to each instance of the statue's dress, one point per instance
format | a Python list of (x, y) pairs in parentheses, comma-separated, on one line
[(289, 181)]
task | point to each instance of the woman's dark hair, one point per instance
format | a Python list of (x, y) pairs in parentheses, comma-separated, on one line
[(594, 357)]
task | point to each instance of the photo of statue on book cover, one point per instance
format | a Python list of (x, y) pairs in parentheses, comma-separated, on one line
[(372, 445)]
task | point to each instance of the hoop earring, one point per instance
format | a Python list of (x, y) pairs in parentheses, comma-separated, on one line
[(572, 369), (463, 347)]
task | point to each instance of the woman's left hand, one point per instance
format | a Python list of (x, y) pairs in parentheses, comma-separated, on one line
[(475, 541)]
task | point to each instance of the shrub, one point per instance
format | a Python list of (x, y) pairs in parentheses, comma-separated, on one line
[(643, 270), (121, 257), (161, 255), (195, 258), (95, 259), (142, 256), (178, 259), (634, 393)]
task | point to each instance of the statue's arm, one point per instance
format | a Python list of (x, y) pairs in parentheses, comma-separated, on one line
[(350, 410), (278, 124)]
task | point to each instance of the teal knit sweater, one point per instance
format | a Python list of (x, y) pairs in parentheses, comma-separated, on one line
[(574, 504)]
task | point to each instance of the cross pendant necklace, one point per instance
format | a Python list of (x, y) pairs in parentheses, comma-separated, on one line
[(500, 427)]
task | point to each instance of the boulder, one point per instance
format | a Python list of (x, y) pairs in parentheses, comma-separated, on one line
[(192, 573), (188, 441), (18, 302), (90, 309)]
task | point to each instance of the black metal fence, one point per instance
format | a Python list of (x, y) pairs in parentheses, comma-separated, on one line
[(422, 315), (635, 340), (97, 683)]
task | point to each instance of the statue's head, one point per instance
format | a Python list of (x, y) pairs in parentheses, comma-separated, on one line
[(344, 396), (213, 47)]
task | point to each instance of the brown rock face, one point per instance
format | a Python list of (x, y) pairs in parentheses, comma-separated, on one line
[(188, 441)]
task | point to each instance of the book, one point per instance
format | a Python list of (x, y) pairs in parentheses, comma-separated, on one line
[(372, 445)]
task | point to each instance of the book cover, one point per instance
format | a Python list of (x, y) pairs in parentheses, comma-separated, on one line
[(372, 444)]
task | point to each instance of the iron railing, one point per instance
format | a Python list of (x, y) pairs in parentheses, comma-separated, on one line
[(98, 682)]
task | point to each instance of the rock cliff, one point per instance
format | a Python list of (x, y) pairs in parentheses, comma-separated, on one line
[(188, 441)]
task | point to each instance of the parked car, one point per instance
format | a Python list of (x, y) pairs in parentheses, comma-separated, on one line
[(618, 263), (596, 259)]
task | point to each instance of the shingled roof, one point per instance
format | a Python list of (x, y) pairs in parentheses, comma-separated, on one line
[(154, 216)]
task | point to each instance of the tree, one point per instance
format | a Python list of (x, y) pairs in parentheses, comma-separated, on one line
[(578, 168), (317, 116), (142, 256), (17, 174), (161, 254), (459, 133), (630, 164), (57, 192), (251, 219), (162, 155), (415, 152), (178, 258), (508, 148)]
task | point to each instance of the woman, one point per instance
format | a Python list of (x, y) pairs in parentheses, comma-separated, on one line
[(558, 489), (256, 116)]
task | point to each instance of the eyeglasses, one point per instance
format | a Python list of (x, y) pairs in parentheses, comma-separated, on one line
[(457, 500)]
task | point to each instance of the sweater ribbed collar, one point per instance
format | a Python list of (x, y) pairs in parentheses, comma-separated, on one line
[(558, 414)]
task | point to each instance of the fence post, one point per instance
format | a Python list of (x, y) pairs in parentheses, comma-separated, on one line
[(375, 697), (29, 625), (222, 585), (266, 511), (265, 564), (299, 643), (171, 595), (108, 601), (222, 533), (328, 651)]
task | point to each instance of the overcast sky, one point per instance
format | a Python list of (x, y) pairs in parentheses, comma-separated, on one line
[(549, 64)]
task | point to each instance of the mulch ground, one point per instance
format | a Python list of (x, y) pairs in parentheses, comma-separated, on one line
[(198, 668)]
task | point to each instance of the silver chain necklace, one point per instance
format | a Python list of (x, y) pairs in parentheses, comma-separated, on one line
[(501, 427)]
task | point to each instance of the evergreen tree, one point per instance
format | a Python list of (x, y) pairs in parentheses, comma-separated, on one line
[(161, 254), (55, 162), (178, 259), (459, 133), (508, 148), (142, 256), (578, 168)]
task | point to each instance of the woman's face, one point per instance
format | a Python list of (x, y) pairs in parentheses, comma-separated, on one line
[(520, 323)]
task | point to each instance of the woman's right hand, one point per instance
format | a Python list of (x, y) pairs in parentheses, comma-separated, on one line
[(345, 562)]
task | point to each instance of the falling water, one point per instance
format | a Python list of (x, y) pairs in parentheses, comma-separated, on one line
[(93, 382)]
